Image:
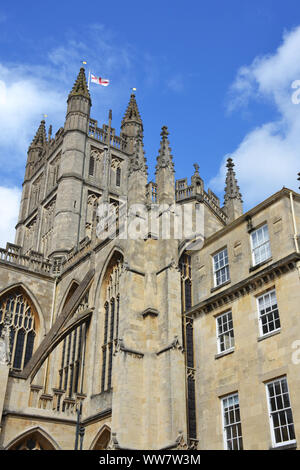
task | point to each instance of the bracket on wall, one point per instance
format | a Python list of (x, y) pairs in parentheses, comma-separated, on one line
[(152, 312)]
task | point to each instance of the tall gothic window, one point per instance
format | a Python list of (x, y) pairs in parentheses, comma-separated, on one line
[(71, 362), (70, 373), (111, 323), (188, 341), (30, 236), (91, 165), (47, 227), (95, 160), (91, 212), (118, 176), (17, 311), (186, 281)]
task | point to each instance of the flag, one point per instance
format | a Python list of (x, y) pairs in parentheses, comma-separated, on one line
[(99, 80)]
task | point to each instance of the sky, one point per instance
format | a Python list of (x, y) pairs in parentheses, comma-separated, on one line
[(221, 75)]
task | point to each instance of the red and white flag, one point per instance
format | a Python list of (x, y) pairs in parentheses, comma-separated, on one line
[(99, 80)]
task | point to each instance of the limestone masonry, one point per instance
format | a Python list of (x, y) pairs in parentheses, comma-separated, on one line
[(146, 342)]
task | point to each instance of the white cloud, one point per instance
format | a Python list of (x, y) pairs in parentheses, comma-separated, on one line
[(24, 98), (268, 157), (9, 209), (27, 92)]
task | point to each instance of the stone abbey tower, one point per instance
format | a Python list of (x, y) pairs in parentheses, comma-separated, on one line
[(145, 342)]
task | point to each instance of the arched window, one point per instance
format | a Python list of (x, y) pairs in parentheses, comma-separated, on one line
[(102, 440), (111, 321), (92, 165), (186, 281), (72, 362), (33, 440), (18, 313), (70, 372), (91, 212), (188, 341)]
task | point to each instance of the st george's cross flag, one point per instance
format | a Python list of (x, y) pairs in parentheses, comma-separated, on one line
[(99, 80)]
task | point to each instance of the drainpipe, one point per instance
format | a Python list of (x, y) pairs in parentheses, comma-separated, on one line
[(295, 236)]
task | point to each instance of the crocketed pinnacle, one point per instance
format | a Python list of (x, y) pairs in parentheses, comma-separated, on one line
[(232, 190), (40, 138), (164, 159), (132, 112), (80, 86), (138, 160)]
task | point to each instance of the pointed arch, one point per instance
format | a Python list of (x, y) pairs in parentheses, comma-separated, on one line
[(186, 281), (18, 312), (35, 438), (62, 326), (37, 307), (68, 293), (115, 253), (109, 295), (102, 438)]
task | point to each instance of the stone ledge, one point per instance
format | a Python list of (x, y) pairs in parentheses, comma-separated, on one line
[(224, 353), (291, 446), (246, 286), (268, 335), (220, 286), (259, 265)]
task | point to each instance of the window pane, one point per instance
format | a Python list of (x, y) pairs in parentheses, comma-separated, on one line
[(282, 419), (225, 332), (268, 312), (16, 310), (260, 244), (221, 268), (232, 424)]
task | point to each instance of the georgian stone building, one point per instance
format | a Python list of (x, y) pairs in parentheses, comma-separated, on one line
[(152, 342)]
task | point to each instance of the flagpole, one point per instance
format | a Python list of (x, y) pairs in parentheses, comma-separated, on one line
[(89, 79)]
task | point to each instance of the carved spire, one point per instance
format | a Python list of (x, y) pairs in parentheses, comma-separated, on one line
[(232, 190), (131, 125), (132, 113), (40, 138), (197, 181), (164, 159), (138, 160), (233, 204), (80, 86)]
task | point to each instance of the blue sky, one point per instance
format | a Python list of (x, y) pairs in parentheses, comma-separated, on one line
[(217, 73)]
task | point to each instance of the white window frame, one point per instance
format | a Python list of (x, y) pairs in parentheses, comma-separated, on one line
[(225, 266), (235, 423), (272, 311), (283, 409), (265, 243), (219, 335)]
